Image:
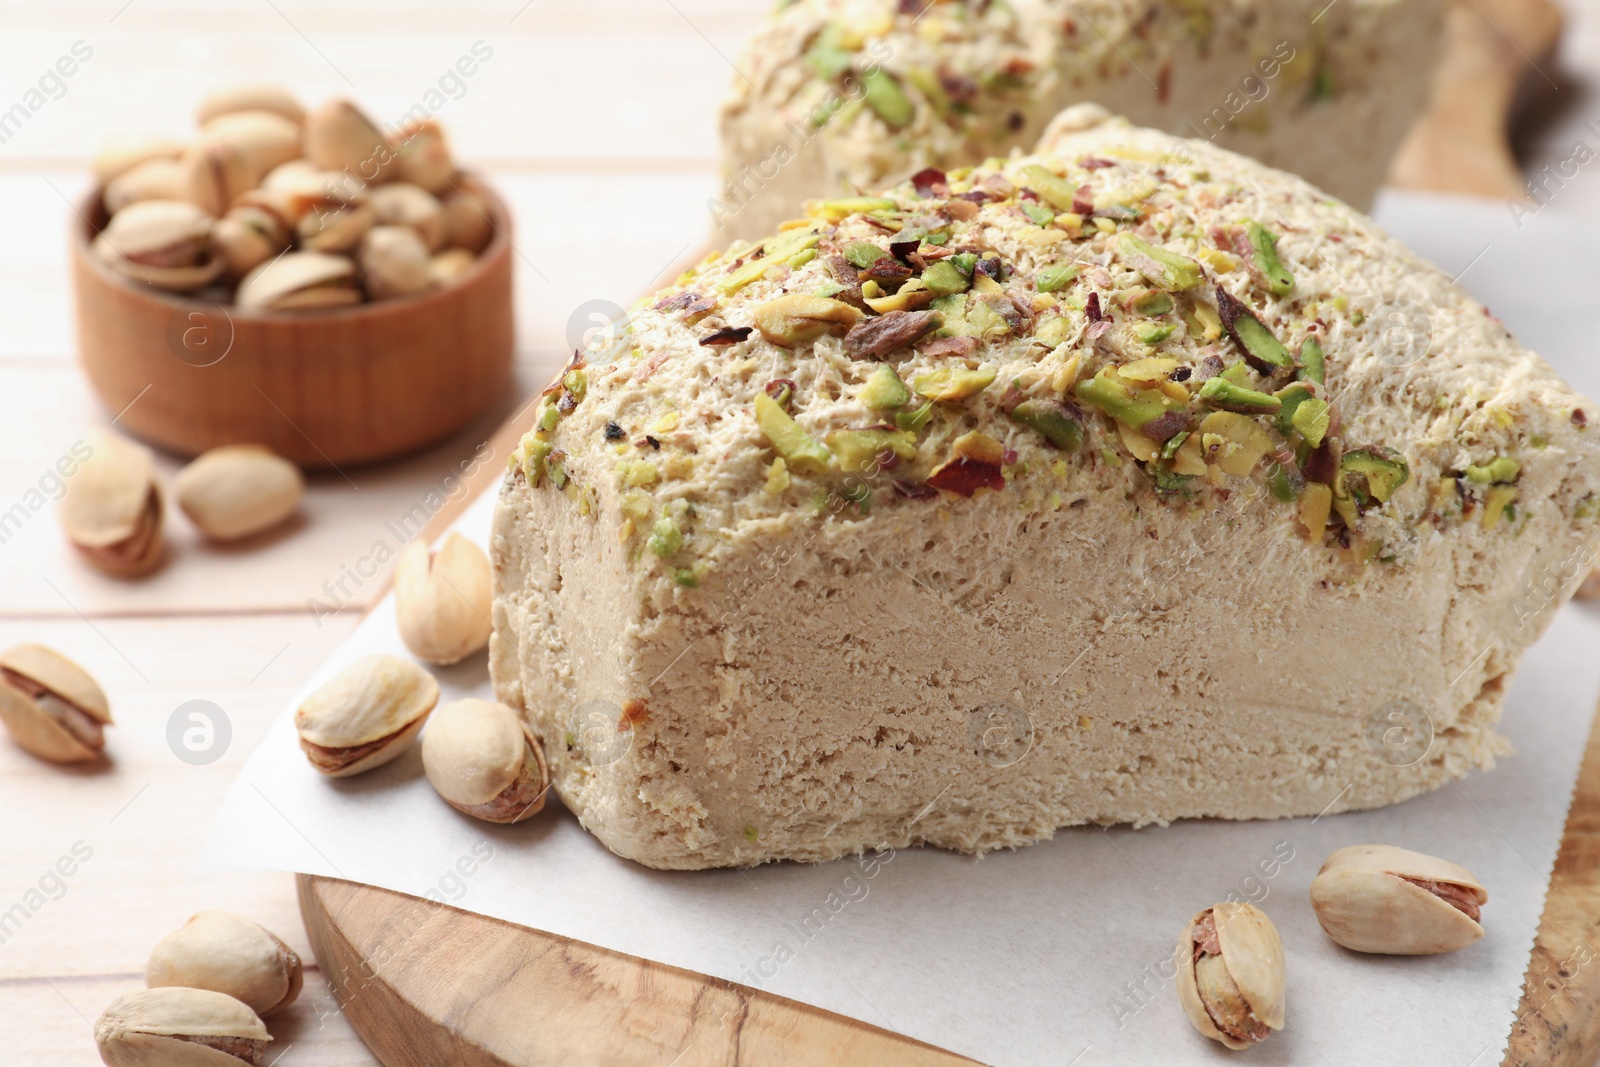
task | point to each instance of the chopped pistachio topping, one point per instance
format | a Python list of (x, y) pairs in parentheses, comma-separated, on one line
[(949, 384), (885, 97), (1264, 351), (945, 279), (1053, 190), (1279, 280), (1500, 470), (1313, 367), (1374, 472), (1221, 393), (884, 391), (1052, 420), (863, 451), (799, 449), (1055, 279), (1169, 270)]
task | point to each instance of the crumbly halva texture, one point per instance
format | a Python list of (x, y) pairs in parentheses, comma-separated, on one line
[(836, 96), (1122, 482)]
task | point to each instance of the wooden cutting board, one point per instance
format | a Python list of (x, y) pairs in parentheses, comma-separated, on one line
[(425, 984)]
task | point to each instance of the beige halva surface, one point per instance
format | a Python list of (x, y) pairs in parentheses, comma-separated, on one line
[(1311, 87), (806, 661)]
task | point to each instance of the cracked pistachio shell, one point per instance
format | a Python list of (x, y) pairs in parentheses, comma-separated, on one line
[(338, 136), (484, 762), (335, 230), (227, 953), (112, 509), (442, 599), (422, 156), (122, 155), (1364, 902), (394, 262), (403, 204), (179, 1027), (51, 706), (236, 491), (298, 281), (273, 98), (233, 154), (366, 715), (247, 237), (468, 219), (1244, 982), (450, 266), (164, 243), (154, 179)]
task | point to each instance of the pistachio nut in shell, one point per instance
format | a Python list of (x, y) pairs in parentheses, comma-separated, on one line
[(164, 243), (338, 136), (112, 509), (227, 953), (1230, 974), (298, 281), (155, 179), (450, 266), (1382, 899), (179, 1027), (247, 237), (404, 204), (51, 706), (366, 715), (274, 98), (484, 762), (236, 491), (468, 219), (394, 262), (442, 599), (422, 156), (336, 229), (264, 139), (122, 155)]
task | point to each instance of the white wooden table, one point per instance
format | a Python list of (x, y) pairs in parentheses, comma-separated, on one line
[(597, 122)]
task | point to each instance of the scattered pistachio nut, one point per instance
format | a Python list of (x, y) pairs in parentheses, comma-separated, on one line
[(335, 228), (1230, 974), (404, 204), (51, 706), (795, 318), (442, 600), (122, 155), (164, 243), (394, 262), (236, 491), (1382, 899), (366, 715), (247, 237), (112, 510), (468, 218), (178, 1027), (483, 760), (339, 136), (299, 280), (272, 98), (227, 953)]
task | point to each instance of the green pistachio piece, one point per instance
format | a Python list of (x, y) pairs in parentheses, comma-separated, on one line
[(1313, 365), (914, 421), (1293, 395), (1056, 191), (826, 58), (1052, 420), (884, 391), (858, 451), (547, 418), (779, 249), (534, 454), (1052, 330), (1040, 214), (799, 449), (945, 279), (1500, 470), (1311, 420), (953, 383), (1174, 443), (1264, 351), (1383, 469), (1055, 279), (665, 537), (984, 321), (926, 82), (577, 384), (1152, 304), (864, 254), (885, 97), (686, 577), (1169, 270), (965, 262), (1221, 393), (843, 207), (1115, 400), (1153, 333), (1279, 280)]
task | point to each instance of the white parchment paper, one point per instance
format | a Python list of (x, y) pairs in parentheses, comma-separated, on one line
[(1060, 953)]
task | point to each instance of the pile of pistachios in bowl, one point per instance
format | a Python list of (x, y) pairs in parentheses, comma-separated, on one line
[(273, 208)]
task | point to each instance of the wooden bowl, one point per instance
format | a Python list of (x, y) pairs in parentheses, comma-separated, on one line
[(322, 388)]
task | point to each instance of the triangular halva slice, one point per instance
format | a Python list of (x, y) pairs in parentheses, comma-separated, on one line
[(1128, 481)]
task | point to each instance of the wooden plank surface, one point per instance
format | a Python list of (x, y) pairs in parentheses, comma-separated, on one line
[(596, 121)]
